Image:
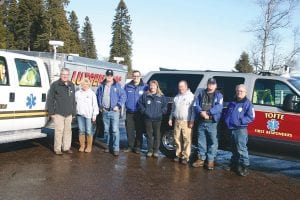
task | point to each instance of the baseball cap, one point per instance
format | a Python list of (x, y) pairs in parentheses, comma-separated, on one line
[(109, 72), (211, 81)]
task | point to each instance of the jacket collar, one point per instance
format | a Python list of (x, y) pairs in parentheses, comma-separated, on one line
[(140, 84), (60, 82), (104, 82), (241, 101)]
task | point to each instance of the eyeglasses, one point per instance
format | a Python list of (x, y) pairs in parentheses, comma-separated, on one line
[(240, 91), (135, 76)]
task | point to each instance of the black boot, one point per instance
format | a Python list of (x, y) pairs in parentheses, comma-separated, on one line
[(243, 171)]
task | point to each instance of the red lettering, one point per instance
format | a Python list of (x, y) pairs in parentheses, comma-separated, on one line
[(73, 79)]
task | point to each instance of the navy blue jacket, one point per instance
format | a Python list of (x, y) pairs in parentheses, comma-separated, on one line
[(152, 106), (134, 92), (117, 95), (217, 105), (239, 114)]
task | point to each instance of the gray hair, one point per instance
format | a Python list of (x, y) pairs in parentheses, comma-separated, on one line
[(64, 70), (243, 86)]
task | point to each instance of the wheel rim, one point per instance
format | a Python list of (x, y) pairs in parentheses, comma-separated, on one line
[(168, 140)]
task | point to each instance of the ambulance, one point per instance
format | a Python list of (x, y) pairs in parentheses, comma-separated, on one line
[(25, 79), (276, 101)]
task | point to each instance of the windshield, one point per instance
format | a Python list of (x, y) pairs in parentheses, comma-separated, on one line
[(295, 82)]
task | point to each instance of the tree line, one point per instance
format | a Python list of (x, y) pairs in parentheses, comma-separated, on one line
[(30, 24)]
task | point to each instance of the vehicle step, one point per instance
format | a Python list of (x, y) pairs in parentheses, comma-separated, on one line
[(13, 136)]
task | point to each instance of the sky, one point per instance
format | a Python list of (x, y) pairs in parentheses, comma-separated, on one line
[(178, 34)]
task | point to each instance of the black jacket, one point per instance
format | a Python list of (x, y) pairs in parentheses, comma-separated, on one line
[(61, 99), (152, 106)]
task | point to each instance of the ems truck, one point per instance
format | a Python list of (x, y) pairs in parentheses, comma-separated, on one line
[(276, 101), (25, 79)]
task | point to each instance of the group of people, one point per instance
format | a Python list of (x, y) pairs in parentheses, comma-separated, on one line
[(145, 106)]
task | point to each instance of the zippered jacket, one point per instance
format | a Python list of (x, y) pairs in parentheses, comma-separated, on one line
[(133, 93), (239, 114), (153, 106), (61, 99), (117, 95), (217, 105)]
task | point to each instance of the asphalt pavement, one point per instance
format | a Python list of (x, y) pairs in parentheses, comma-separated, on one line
[(30, 170)]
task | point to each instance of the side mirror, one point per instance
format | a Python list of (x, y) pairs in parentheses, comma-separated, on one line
[(291, 103)]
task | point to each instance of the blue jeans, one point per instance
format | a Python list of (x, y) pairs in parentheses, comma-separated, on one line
[(239, 139), (111, 129), (85, 125), (207, 141)]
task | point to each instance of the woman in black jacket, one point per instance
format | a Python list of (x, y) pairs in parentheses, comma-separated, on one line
[(153, 105)]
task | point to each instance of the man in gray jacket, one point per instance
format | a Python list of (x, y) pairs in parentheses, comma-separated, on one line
[(62, 108), (183, 113)]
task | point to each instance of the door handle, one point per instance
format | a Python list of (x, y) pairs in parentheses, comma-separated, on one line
[(11, 97), (43, 97)]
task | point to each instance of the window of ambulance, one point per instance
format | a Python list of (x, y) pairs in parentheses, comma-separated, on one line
[(226, 85), (4, 79), (28, 73), (271, 92), (169, 82)]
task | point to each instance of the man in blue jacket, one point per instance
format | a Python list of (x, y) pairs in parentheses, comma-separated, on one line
[(208, 109), (134, 119), (111, 97), (240, 113)]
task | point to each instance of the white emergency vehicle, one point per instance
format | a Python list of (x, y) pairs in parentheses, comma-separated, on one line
[(24, 84)]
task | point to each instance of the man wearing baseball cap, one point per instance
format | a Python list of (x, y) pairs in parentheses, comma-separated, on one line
[(208, 109), (111, 97)]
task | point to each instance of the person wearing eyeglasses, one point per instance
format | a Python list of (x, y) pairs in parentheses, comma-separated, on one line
[(62, 108), (240, 113), (134, 119)]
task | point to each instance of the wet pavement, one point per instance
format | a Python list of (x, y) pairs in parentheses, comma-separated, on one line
[(30, 170)]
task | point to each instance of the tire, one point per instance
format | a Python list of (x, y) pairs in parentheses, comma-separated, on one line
[(167, 144)]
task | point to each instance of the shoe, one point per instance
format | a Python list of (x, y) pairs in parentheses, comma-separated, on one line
[(149, 154), (198, 163), (116, 153), (137, 150), (69, 151), (89, 144), (127, 150), (106, 150), (243, 171), (155, 155), (184, 161), (58, 153), (176, 159), (81, 142), (210, 165)]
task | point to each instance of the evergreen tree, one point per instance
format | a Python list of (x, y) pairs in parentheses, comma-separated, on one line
[(87, 40), (243, 64), (2, 29), (74, 24), (11, 18), (56, 27), (121, 45), (28, 23)]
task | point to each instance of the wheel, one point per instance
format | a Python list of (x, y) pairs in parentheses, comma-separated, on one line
[(167, 144)]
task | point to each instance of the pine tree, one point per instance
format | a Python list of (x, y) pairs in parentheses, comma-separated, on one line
[(2, 29), (28, 23), (121, 45), (56, 27), (243, 64), (74, 24), (87, 40), (11, 19)]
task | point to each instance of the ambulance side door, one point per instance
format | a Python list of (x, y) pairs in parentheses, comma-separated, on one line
[(31, 93), (6, 96)]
